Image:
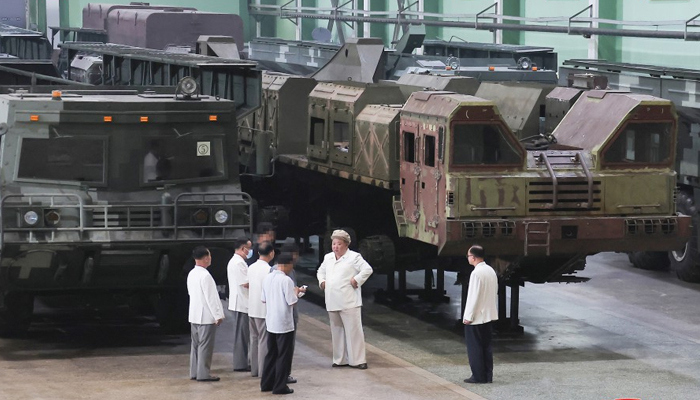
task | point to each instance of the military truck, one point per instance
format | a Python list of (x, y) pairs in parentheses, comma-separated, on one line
[(681, 87), (108, 193)]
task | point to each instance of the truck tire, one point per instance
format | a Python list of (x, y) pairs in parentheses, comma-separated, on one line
[(686, 262), (16, 314), (650, 260)]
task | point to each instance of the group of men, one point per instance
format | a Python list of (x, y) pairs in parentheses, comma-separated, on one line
[(262, 297)]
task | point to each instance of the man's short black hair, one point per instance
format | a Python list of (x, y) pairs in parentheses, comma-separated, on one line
[(285, 258), (265, 248), (289, 247), (240, 242), (265, 227), (477, 251), (200, 252)]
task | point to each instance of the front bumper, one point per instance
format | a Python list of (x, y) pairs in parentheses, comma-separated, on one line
[(552, 236)]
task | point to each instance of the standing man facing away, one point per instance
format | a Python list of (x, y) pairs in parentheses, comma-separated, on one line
[(205, 315), (279, 295), (237, 271), (256, 308), (341, 275), (479, 313)]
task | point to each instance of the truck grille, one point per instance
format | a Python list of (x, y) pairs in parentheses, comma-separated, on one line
[(572, 195), (650, 226), (488, 229), (126, 217)]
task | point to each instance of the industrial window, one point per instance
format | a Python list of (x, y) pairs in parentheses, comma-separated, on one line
[(641, 143), (63, 158), (429, 153), (341, 136), (316, 134), (478, 144), (409, 147)]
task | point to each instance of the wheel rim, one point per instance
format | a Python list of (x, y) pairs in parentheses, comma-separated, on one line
[(680, 255)]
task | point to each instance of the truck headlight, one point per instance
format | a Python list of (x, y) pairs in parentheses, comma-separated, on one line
[(200, 217), (52, 218), (221, 216), (31, 217)]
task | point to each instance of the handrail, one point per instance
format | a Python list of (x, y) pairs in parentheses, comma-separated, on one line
[(555, 183), (589, 177)]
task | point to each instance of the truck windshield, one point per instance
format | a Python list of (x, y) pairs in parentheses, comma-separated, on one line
[(641, 142), (177, 158), (481, 144), (78, 159)]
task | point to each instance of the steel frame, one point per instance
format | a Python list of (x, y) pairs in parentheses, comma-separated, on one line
[(406, 15)]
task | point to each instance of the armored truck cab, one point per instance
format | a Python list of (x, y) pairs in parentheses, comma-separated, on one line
[(111, 192), (466, 179)]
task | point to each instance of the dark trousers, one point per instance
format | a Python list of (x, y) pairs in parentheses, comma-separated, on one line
[(480, 351), (278, 362)]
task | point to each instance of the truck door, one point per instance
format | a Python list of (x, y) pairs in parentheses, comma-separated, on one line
[(410, 170), (431, 178)]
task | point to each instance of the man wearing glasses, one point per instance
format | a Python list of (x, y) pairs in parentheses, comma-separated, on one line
[(479, 313)]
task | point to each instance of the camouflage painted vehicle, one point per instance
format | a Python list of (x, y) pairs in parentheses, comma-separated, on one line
[(607, 186), (680, 86), (108, 193)]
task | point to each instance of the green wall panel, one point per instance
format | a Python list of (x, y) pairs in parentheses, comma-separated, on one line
[(465, 7), (666, 52), (567, 46)]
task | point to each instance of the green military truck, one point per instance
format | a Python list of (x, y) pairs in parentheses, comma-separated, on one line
[(107, 193)]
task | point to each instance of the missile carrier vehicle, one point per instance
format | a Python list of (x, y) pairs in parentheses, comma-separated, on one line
[(420, 182), (108, 193)]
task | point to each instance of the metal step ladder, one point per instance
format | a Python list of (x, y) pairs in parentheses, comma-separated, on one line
[(533, 235), (399, 215)]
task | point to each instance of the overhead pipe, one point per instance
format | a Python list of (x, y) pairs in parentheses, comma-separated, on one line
[(493, 26)]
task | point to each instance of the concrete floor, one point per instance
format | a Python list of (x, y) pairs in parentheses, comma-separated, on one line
[(626, 333)]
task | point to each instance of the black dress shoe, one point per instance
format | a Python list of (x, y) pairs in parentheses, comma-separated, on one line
[(242, 370), (472, 380), (194, 378), (286, 391), (359, 366), (291, 379), (340, 365), (210, 379)]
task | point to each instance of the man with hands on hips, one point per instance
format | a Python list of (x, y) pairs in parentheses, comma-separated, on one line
[(340, 276)]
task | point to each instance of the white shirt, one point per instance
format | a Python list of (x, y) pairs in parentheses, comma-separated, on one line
[(256, 275), (205, 305), (340, 295), (482, 295), (279, 296), (237, 271), (150, 161)]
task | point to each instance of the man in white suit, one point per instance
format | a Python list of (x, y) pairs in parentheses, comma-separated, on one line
[(205, 315), (340, 276), (479, 312), (237, 271), (256, 308)]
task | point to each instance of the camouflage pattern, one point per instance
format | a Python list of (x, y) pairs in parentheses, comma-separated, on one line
[(537, 203)]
